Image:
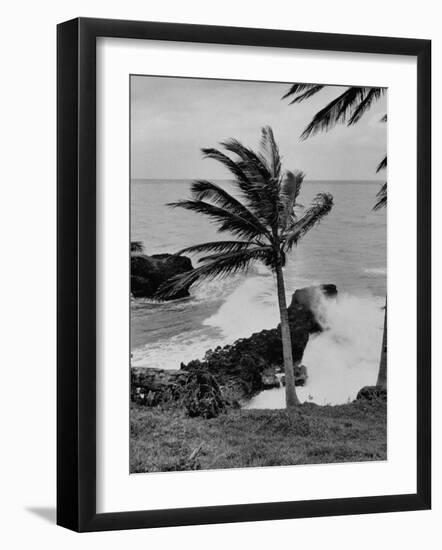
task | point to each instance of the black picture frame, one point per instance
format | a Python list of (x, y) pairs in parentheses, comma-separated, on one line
[(76, 274)]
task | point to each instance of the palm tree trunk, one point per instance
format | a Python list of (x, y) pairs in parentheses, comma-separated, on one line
[(291, 398), (382, 374)]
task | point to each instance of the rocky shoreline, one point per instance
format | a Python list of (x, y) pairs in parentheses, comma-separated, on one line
[(228, 375), (147, 273)]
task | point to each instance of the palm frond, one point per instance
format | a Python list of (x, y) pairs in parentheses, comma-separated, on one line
[(308, 88), (221, 266), (228, 221), (262, 189), (257, 171), (205, 190), (373, 94), (290, 189), (231, 165), (381, 196), (253, 246), (382, 165), (217, 246), (241, 181), (136, 247), (245, 180), (336, 111), (270, 151), (320, 207), (307, 94)]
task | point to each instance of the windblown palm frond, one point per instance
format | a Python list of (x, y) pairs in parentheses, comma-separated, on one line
[(290, 189), (205, 190), (321, 206), (219, 265), (372, 95), (307, 89), (228, 221), (251, 163), (348, 107), (336, 111), (382, 165), (230, 164), (262, 188), (136, 247), (217, 246), (270, 152), (381, 196)]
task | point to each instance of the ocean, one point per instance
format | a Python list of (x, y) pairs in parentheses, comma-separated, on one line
[(348, 248)]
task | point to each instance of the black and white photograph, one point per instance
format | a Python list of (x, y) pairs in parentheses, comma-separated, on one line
[(223, 324), (258, 271)]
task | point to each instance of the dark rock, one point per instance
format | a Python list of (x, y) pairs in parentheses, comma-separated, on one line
[(147, 273), (269, 379), (198, 392), (371, 393), (152, 387)]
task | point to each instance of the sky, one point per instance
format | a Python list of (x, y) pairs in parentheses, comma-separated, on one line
[(173, 118)]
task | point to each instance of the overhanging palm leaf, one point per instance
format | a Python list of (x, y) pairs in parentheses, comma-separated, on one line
[(382, 165), (381, 197), (336, 111), (348, 107), (372, 95), (307, 89)]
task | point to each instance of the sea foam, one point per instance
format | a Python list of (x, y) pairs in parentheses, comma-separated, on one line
[(341, 359)]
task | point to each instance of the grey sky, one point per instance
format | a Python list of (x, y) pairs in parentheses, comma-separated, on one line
[(173, 118)]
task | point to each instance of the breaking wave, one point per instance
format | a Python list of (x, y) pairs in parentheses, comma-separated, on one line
[(341, 359)]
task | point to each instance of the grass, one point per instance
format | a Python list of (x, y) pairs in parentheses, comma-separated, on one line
[(167, 440)]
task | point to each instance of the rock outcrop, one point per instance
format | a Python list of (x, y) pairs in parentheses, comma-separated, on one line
[(197, 392), (147, 273), (370, 393), (244, 368)]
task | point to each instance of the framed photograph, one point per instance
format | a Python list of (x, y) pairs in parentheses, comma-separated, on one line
[(226, 248)]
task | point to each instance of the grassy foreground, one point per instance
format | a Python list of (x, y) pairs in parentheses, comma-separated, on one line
[(167, 440)]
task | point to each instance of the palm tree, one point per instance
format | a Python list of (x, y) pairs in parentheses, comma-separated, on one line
[(381, 202), (262, 220), (347, 108)]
